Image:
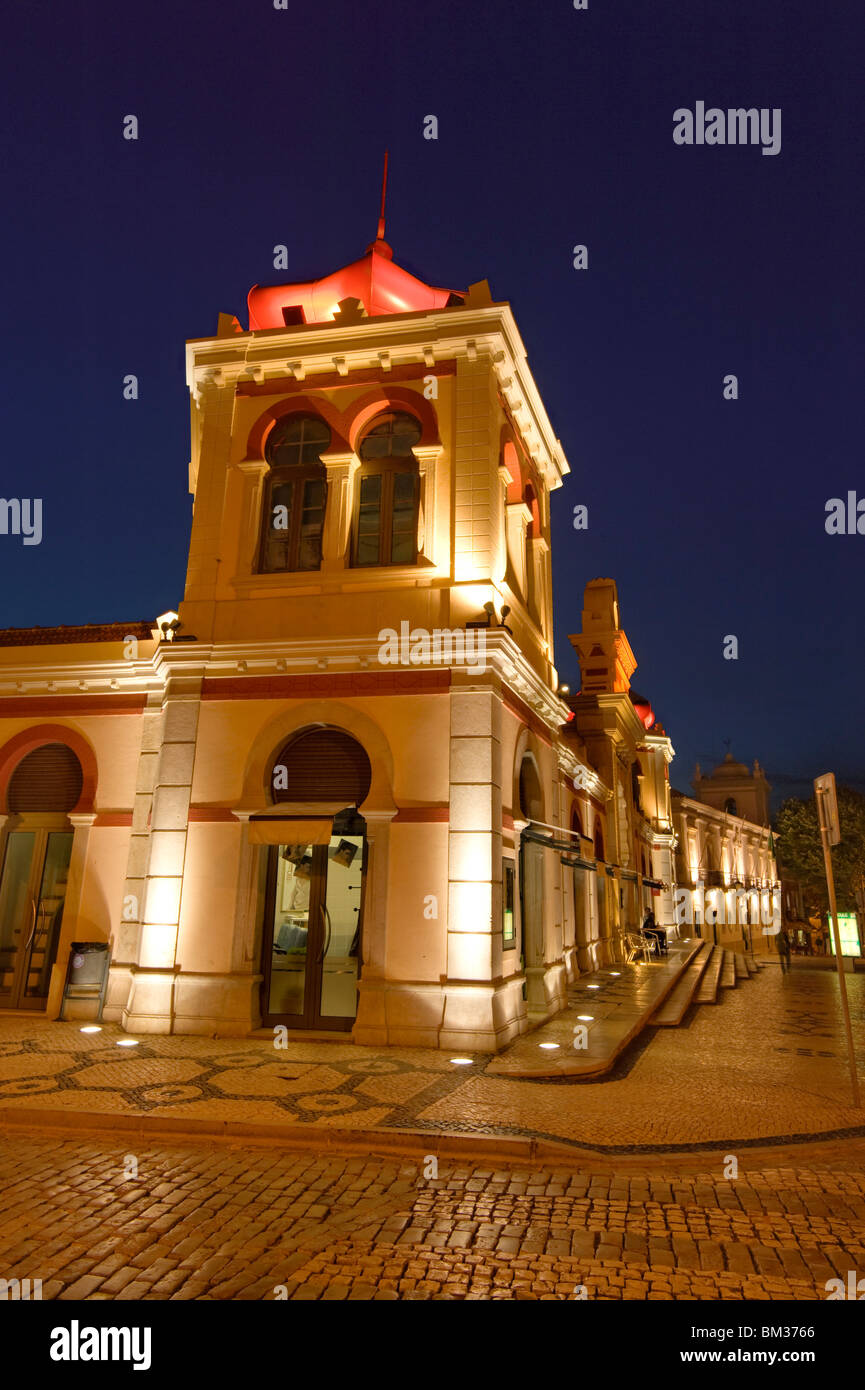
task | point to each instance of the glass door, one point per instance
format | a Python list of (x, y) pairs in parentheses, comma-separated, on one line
[(32, 893), (292, 900), (313, 919), (342, 912)]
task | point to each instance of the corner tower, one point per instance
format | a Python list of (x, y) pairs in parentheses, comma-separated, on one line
[(363, 677)]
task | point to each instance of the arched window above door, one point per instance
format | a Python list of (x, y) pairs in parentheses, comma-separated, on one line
[(324, 766), (387, 493), (295, 495), (47, 779)]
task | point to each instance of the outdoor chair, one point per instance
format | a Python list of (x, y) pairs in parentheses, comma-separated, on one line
[(635, 946)]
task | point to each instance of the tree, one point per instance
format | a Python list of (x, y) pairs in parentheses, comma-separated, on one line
[(800, 851)]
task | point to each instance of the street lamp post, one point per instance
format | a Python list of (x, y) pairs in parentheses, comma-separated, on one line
[(830, 834)]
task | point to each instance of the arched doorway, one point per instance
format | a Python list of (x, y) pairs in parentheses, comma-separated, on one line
[(601, 883), (316, 877), (531, 875), (580, 888), (37, 847)]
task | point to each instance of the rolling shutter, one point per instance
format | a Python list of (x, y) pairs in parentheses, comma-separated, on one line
[(48, 779), (323, 765)]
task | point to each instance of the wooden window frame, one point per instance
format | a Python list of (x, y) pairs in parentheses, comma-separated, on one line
[(298, 475), (386, 469)]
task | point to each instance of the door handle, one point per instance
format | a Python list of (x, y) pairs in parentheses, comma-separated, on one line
[(325, 916), (32, 924)]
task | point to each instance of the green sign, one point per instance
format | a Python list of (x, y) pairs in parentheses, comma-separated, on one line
[(849, 930)]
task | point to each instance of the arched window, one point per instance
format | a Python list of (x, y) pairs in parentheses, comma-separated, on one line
[(48, 779), (295, 496), (635, 787), (322, 765), (531, 798), (386, 515), (730, 806), (599, 843)]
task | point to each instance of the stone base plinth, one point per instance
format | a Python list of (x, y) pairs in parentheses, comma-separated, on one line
[(454, 1016)]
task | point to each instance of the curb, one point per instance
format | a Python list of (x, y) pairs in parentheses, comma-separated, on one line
[(329, 1139), (148, 1127)]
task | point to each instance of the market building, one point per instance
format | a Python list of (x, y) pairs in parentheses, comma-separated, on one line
[(340, 789), (726, 872)]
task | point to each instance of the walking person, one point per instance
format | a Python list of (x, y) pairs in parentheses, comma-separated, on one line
[(783, 940)]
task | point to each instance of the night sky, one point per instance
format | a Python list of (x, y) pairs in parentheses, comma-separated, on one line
[(260, 126)]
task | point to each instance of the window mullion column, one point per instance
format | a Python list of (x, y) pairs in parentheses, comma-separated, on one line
[(254, 473), (339, 507)]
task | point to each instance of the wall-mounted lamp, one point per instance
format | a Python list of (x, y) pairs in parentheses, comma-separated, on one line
[(167, 624), (490, 610)]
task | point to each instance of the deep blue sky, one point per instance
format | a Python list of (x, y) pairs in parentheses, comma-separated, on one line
[(260, 127)]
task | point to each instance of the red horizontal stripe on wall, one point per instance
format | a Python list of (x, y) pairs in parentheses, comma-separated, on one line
[(320, 686), (113, 818), (421, 814), (70, 704), (211, 813)]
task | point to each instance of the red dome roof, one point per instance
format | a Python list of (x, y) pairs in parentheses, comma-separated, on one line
[(644, 710), (382, 287)]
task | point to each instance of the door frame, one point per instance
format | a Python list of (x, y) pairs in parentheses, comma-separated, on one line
[(41, 824), (311, 1020)]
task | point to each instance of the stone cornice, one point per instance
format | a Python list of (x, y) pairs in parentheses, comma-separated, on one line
[(423, 338), (698, 811), (78, 678)]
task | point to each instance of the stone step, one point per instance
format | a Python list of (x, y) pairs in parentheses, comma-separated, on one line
[(676, 1005), (742, 971), (708, 991), (619, 999), (728, 971), (753, 968)]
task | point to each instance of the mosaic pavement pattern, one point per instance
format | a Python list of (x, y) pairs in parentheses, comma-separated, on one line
[(768, 1064)]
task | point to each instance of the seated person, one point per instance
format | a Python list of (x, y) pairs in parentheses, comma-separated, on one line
[(651, 929)]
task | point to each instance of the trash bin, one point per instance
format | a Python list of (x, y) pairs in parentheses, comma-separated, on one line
[(86, 974)]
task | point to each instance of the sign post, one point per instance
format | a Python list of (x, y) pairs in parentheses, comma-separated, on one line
[(830, 833)]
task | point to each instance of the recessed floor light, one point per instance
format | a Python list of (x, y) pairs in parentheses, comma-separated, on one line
[(549, 1046), (91, 1028), (127, 1042), (586, 1018), (615, 972), (593, 986), (461, 1061)]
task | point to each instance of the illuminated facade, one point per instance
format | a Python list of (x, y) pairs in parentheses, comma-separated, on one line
[(632, 754), (268, 820), (726, 872)]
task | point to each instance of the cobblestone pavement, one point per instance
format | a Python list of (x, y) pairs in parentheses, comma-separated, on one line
[(768, 1063), (220, 1222)]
